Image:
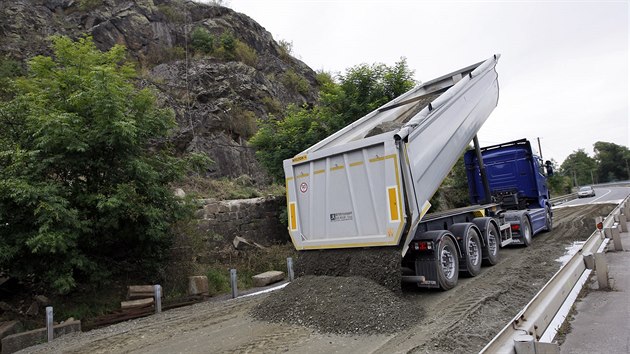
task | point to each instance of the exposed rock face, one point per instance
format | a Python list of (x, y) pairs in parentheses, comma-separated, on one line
[(216, 100)]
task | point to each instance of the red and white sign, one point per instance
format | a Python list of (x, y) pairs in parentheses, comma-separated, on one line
[(303, 187)]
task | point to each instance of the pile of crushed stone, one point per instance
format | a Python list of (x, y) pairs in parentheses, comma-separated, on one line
[(341, 305)]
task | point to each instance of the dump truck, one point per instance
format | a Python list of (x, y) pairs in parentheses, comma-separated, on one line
[(358, 189)]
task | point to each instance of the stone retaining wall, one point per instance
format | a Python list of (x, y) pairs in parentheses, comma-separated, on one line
[(254, 219)]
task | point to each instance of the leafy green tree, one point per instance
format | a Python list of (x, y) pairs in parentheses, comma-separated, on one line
[(359, 91), (613, 161), (579, 167), (83, 188), (558, 183)]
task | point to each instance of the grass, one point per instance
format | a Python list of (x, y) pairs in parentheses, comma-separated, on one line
[(241, 187), (247, 264)]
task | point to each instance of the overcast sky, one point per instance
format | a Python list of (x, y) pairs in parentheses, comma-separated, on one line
[(563, 72)]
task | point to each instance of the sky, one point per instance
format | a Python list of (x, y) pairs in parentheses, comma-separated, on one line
[(563, 72)]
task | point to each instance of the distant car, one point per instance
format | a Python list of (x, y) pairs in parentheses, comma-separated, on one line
[(586, 191)]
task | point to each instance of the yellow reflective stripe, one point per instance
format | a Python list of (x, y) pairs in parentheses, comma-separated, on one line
[(393, 203), (292, 217), (358, 163), (337, 168), (351, 245), (479, 213), (300, 158), (302, 175), (319, 171)]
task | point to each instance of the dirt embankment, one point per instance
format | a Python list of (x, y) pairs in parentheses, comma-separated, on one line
[(461, 320)]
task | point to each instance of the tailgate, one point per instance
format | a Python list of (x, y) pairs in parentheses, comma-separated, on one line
[(350, 197)]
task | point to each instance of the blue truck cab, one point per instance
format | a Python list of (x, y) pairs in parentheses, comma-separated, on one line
[(516, 181)]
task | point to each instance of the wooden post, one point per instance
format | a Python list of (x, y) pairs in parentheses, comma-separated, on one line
[(616, 236), (601, 268), (49, 323), (233, 283), (290, 268), (157, 295)]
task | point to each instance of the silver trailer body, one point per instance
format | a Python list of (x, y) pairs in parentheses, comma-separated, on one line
[(350, 190)]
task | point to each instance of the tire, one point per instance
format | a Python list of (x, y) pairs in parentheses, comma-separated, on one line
[(493, 243), (526, 231), (447, 264), (472, 253), (548, 219)]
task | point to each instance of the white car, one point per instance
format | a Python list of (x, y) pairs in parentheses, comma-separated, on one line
[(586, 191)]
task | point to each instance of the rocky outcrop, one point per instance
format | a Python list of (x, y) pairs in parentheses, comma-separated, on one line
[(216, 100)]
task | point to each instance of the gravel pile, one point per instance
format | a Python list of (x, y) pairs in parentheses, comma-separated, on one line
[(341, 305), (381, 265)]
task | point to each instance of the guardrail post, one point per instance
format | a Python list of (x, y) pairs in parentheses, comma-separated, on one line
[(157, 297), (233, 283), (589, 260), (608, 232), (623, 221), (601, 268), (524, 344), (616, 237), (290, 268), (49, 323)]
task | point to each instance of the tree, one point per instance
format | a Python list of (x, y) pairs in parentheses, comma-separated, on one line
[(83, 190), (359, 91), (579, 167), (612, 161)]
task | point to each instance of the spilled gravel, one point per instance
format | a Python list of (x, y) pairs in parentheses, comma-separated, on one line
[(342, 305)]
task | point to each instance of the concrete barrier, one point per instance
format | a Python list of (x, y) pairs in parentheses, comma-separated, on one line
[(19, 341)]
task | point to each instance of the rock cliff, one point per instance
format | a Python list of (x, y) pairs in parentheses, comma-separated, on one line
[(217, 95)]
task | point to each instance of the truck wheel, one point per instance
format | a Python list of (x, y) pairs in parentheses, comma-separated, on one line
[(548, 219), (526, 231), (492, 246), (447, 264), (472, 253)]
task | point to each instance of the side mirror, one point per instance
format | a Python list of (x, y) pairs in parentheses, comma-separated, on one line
[(549, 168)]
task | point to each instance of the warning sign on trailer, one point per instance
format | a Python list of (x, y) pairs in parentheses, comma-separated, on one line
[(303, 187)]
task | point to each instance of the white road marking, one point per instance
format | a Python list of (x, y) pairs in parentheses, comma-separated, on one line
[(594, 200)]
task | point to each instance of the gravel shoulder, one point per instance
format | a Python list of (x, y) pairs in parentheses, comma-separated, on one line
[(461, 320)]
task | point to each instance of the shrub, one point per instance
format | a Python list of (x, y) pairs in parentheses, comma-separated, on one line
[(286, 50), (272, 105), (295, 82), (87, 5), (242, 122), (173, 12), (245, 54), (201, 40)]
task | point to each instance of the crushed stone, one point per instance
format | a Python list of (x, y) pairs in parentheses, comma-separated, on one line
[(340, 305)]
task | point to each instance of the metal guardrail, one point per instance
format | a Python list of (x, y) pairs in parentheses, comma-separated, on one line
[(539, 312), (563, 198)]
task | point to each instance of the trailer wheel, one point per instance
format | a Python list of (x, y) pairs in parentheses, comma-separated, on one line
[(526, 231), (447, 264), (492, 246), (548, 219), (472, 253)]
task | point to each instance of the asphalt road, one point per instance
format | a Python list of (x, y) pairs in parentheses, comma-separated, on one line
[(602, 195)]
